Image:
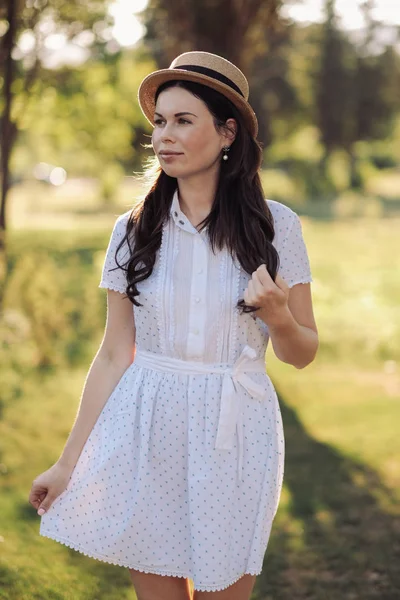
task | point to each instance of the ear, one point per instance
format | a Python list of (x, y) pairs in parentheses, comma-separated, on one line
[(229, 131)]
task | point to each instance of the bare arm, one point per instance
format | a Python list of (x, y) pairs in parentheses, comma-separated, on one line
[(285, 304), (294, 334), (114, 356), (288, 312)]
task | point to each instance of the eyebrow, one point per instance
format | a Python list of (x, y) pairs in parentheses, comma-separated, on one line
[(179, 114)]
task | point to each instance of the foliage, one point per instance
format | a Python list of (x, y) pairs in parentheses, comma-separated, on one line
[(356, 89), (88, 120), (50, 311), (19, 71), (175, 27), (250, 28), (303, 78), (334, 97)]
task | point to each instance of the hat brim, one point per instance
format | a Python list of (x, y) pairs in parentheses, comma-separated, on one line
[(150, 84)]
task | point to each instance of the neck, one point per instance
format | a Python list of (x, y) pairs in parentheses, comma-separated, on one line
[(196, 196)]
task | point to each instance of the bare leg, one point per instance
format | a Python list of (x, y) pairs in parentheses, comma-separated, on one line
[(241, 590), (149, 586)]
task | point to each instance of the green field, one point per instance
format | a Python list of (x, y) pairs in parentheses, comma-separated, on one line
[(337, 532)]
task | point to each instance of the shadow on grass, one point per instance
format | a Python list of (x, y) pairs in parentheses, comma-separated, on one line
[(111, 579), (8, 578), (107, 582), (26, 512), (346, 546)]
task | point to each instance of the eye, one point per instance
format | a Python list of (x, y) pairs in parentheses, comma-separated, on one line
[(158, 121), (182, 120)]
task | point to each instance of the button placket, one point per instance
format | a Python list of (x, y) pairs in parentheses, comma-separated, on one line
[(197, 309)]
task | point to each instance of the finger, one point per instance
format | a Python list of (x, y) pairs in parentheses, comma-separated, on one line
[(248, 295), (35, 502), (280, 282), (263, 275), (257, 284), (45, 505), (36, 496)]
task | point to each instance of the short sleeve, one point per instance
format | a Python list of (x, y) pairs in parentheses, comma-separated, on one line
[(294, 261), (115, 279)]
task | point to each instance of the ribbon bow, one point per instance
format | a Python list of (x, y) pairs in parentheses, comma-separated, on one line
[(231, 415)]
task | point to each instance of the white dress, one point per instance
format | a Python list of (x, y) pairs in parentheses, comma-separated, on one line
[(182, 472)]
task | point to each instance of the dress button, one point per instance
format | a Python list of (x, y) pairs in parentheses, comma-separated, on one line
[(195, 330), (199, 271), (197, 299)]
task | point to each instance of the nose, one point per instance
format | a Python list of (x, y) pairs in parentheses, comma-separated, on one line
[(167, 133)]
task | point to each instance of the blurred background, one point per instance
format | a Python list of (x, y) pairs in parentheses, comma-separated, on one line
[(325, 83)]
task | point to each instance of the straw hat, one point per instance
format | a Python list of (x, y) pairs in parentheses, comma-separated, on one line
[(201, 67)]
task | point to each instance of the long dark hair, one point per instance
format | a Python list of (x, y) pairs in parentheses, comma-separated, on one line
[(239, 219)]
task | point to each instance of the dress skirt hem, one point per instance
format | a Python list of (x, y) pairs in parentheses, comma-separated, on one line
[(213, 587)]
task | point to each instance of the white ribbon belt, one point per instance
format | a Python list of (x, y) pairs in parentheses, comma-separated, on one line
[(230, 416)]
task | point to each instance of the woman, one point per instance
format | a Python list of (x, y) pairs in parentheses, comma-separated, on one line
[(174, 465)]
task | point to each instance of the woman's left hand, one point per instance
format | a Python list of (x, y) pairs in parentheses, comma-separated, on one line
[(270, 297)]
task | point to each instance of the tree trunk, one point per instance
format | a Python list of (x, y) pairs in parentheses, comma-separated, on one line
[(355, 180), (8, 129)]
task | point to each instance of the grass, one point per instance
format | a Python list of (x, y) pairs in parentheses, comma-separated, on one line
[(32, 433), (336, 535), (337, 529)]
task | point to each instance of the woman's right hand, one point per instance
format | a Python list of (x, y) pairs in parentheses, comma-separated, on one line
[(48, 486)]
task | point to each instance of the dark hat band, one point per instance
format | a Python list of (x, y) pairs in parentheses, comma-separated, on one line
[(211, 73)]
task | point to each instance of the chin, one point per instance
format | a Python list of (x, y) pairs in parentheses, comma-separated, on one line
[(171, 172), (180, 173)]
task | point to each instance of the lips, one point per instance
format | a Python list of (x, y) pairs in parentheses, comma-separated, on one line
[(170, 153)]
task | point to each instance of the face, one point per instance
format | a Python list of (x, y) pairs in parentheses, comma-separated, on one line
[(184, 138)]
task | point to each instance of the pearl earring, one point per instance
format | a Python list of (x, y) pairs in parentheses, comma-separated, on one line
[(226, 150)]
